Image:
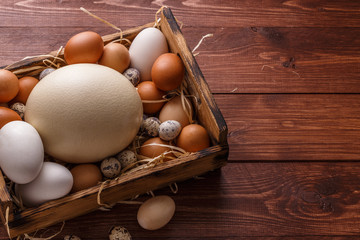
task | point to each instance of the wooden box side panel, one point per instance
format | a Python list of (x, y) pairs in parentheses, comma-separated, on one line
[(208, 112)]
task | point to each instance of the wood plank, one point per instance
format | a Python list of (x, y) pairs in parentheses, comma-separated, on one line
[(280, 60), (247, 200), (286, 127), (233, 13), (258, 60)]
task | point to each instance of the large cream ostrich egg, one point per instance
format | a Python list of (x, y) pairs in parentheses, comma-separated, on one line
[(84, 112)]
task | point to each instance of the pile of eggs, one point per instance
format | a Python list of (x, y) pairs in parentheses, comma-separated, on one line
[(153, 71)]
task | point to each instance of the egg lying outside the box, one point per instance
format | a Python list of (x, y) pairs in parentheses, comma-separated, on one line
[(84, 112), (156, 212), (147, 46), (54, 181), (21, 152)]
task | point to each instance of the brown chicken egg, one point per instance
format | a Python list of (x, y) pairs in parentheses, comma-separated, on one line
[(26, 85), (9, 85), (167, 72), (115, 56), (8, 115), (85, 176), (84, 47), (173, 110), (193, 138), (148, 91), (152, 151)]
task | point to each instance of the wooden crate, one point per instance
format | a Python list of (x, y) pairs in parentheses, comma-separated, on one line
[(141, 181)]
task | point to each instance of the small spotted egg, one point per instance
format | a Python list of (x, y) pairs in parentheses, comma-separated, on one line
[(126, 158), (110, 167), (133, 75), (71, 237), (45, 72), (169, 130), (119, 233), (19, 108), (150, 126)]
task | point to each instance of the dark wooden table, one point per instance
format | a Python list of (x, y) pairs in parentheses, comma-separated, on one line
[(286, 76)]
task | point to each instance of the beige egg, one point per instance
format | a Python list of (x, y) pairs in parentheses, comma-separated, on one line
[(173, 110), (96, 109), (115, 56), (156, 212)]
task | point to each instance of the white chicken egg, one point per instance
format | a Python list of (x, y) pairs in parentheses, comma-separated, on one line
[(147, 46), (54, 181), (21, 152)]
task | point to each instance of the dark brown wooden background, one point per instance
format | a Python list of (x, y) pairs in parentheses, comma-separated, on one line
[(286, 76)]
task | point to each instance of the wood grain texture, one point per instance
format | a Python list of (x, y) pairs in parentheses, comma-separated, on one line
[(247, 201), (233, 13), (285, 127), (281, 60)]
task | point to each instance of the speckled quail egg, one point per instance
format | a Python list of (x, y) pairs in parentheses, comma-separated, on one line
[(19, 108), (133, 75), (126, 158), (169, 130), (110, 167), (119, 233), (150, 126), (46, 72), (71, 237)]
